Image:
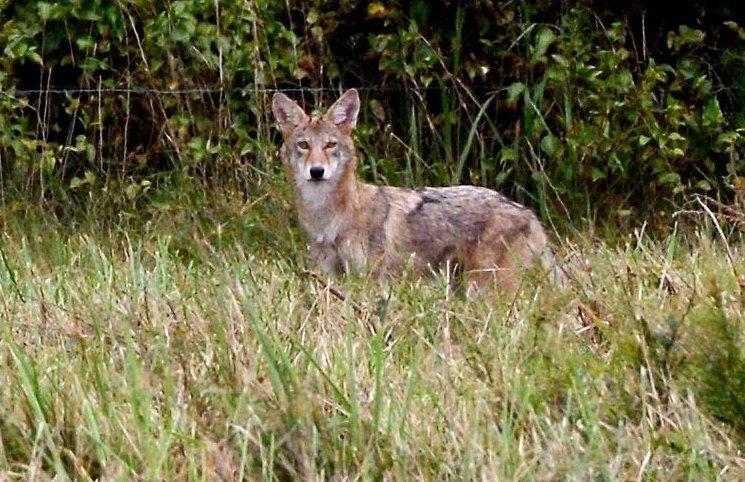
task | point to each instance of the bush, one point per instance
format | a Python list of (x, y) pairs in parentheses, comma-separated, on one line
[(574, 108)]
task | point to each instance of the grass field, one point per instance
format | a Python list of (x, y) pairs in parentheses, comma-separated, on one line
[(193, 346)]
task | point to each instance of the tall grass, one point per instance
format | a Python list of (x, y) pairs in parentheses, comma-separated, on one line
[(184, 349)]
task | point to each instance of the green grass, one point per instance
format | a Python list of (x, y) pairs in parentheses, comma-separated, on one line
[(193, 346)]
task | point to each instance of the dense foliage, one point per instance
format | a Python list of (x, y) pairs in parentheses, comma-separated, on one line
[(585, 108)]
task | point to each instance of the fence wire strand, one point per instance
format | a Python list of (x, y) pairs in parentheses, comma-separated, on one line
[(246, 90)]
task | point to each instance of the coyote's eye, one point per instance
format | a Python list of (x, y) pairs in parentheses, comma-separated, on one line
[(330, 145), (303, 145)]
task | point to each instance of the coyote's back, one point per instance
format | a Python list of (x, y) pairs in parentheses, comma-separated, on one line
[(353, 225)]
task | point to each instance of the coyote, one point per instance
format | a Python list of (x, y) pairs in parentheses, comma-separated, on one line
[(355, 226)]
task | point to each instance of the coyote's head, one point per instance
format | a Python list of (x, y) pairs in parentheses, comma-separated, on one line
[(317, 149)]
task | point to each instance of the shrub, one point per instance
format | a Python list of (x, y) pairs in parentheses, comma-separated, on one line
[(573, 108)]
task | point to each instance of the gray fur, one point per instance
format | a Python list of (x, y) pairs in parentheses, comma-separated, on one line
[(355, 226)]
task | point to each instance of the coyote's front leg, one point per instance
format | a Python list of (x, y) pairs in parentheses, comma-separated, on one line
[(327, 257), (352, 255)]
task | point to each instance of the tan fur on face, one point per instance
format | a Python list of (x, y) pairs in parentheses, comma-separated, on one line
[(353, 225)]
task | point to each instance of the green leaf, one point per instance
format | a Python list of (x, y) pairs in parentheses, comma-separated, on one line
[(556, 74), (131, 190), (84, 43), (690, 35), (376, 9), (668, 178), (90, 152), (35, 57), (377, 110), (561, 60), (674, 136), (514, 91), (90, 177), (550, 145), (597, 174), (76, 182), (312, 16), (508, 154), (736, 28), (502, 176), (180, 34), (712, 115), (544, 39), (45, 10)]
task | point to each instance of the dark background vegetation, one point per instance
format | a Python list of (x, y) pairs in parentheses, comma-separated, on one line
[(587, 110)]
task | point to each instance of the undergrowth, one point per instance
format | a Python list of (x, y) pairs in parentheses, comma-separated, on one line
[(594, 110)]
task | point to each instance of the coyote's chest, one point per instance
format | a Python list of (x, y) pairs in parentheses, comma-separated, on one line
[(336, 245), (323, 223), (335, 241)]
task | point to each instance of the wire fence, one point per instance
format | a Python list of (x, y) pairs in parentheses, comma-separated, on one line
[(203, 90)]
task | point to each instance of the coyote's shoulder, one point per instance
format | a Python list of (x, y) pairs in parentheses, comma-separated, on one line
[(353, 225)]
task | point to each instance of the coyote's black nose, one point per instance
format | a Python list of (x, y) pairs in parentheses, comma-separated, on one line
[(316, 172)]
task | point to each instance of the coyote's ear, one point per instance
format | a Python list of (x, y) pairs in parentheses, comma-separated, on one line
[(289, 115), (344, 111)]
